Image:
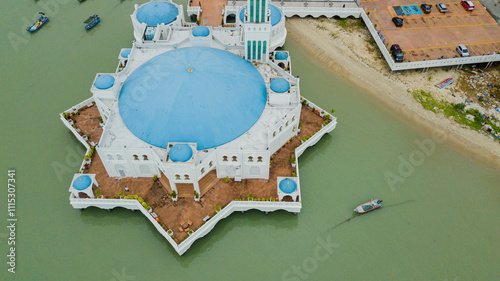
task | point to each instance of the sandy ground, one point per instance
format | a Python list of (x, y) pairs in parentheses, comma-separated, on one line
[(348, 47)]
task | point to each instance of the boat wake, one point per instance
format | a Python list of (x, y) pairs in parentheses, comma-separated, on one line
[(355, 215)]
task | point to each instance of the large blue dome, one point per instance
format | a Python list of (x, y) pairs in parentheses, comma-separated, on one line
[(275, 15), (287, 185), (104, 81), (82, 182), (154, 13), (201, 31), (180, 153), (280, 85), (219, 100)]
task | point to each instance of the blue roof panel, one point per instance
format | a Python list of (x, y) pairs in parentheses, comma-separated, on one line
[(280, 85)]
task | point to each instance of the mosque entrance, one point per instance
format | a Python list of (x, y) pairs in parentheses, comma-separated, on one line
[(231, 18), (185, 190)]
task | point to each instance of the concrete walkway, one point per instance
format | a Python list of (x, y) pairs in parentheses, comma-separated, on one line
[(211, 14)]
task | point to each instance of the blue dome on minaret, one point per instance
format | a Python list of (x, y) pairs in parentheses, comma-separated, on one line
[(157, 12)]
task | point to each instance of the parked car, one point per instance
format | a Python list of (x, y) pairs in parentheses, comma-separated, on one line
[(426, 8), (462, 50), (441, 7), (468, 6), (397, 21), (396, 53)]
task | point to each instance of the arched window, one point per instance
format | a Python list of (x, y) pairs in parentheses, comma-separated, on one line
[(145, 157), (235, 159), (119, 157), (286, 125), (281, 129), (110, 157), (202, 171), (294, 128), (135, 157), (210, 164), (224, 158), (274, 134), (250, 158), (186, 177), (293, 118), (259, 159), (177, 177)]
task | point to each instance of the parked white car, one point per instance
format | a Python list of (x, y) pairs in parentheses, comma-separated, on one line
[(462, 50), (441, 7)]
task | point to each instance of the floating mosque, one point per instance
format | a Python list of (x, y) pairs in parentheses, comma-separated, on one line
[(189, 102)]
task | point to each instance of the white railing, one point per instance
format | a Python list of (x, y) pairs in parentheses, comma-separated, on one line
[(317, 136), (320, 11), (74, 109)]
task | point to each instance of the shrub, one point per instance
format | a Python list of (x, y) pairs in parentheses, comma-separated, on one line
[(100, 119), (173, 194), (121, 194), (250, 196), (140, 200), (226, 179), (217, 208), (272, 199), (459, 106), (98, 193), (155, 177), (292, 160), (196, 194), (89, 135)]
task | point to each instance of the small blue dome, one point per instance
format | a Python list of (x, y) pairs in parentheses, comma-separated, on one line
[(104, 81), (82, 182), (287, 185), (158, 12), (281, 55), (280, 85), (125, 53), (201, 31), (275, 15), (180, 153)]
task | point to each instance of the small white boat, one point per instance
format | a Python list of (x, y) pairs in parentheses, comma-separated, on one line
[(368, 206)]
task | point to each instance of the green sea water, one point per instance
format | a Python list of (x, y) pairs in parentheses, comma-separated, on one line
[(446, 229)]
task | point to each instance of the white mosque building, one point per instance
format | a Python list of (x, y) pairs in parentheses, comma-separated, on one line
[(186, 100)]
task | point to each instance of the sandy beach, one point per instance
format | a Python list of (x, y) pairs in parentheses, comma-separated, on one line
[(346, 51)]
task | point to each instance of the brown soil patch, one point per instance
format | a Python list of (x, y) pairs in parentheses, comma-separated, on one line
[(88, 122)]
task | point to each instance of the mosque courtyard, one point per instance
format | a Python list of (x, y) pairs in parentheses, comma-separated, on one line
[(214, 191)]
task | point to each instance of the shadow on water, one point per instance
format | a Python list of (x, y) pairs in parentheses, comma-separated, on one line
[(355, 215)]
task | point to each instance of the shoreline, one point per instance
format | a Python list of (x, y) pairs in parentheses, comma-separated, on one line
[(336, 56)]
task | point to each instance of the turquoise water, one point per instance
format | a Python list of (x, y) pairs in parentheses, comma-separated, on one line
[(447, 229)]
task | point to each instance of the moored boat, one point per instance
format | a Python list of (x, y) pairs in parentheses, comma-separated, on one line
[(368, 206), (92, 21), (39, 23)]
